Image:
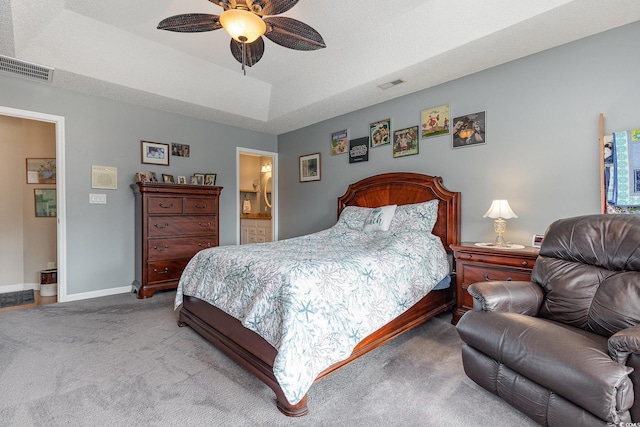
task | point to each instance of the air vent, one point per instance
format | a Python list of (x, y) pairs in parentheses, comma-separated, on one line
[(390, 84), (25, 69)]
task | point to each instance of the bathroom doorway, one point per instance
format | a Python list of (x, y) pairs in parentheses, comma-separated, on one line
[(257, 196)]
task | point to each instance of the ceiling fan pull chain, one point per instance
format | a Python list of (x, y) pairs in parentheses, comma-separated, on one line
[(244, 53)]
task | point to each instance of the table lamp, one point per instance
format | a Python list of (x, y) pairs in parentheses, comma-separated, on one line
[(500, 210)]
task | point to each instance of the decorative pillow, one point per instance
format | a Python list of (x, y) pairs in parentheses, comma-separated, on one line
[(353, 217), (380, 219), (417, 216)]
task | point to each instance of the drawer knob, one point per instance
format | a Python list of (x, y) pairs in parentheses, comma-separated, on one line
[(204, 224), (165, 271), (165, 225), (487, 278), (205, 245), (469, 257), (201, 206), (163, 206), (161, 249), (525, 263)]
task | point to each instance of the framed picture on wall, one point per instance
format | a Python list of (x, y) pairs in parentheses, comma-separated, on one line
[(380, 133), (405, 142), (180, 150), (45, 202), (434, 121), (155, 153), (469, 130), (41, 171), (339, 142), (310, 167)]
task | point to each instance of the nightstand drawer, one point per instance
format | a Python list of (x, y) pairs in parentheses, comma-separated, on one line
[(476, 273), (505, 259)]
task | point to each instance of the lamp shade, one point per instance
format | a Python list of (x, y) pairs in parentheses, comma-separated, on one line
[(500, 209), (243, 26)]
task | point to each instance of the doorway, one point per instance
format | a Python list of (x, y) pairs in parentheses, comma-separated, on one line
[(257, 197), (61, 242)]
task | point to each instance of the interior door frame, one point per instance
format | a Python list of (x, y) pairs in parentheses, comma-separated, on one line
[(274, 189), (61, 214)]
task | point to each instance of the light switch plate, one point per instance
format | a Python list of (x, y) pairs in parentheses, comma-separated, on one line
[(99, 199)]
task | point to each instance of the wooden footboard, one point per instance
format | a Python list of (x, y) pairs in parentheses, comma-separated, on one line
[(257, 356)]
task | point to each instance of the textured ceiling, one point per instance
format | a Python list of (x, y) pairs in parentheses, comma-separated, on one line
[(113, 49)]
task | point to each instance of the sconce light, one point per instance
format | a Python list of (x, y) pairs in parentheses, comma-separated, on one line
[(500, 210), (265, 168)]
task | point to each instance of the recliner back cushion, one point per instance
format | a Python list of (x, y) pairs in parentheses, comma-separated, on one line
[(589, 267)]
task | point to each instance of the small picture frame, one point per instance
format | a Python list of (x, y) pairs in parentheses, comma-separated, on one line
[(536, 241), (380, 133), (142, 177), (45, 202), (154, 153), (153, 177), (199, 179), (469, 130), (310, 167), (405, 142), (41, 171), (179, 150), (210, 179), (182, 179), (340, 142), (168, 179)]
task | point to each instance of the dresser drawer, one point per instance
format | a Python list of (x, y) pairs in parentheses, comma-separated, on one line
[(195, 225), (164, 205), (163, 271), (506, 260), (476, 273), (182, 247), (201, 205)]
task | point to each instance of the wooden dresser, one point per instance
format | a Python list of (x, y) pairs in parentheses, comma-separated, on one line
[(173, 223), (477, 264)]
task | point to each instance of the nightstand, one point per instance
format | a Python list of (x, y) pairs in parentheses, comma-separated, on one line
[(481, 263)]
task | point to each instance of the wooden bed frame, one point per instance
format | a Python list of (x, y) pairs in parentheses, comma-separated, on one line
[(252, 352)]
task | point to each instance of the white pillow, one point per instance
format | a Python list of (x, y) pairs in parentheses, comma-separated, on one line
[(353, 217), (380, 219), (417, 216)]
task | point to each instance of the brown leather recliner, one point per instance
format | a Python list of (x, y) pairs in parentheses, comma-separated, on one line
[(565, 347)]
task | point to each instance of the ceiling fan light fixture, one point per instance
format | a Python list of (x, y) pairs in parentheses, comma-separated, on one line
[(242, 25)]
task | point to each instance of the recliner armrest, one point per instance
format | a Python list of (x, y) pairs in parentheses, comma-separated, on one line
[(623, 343), (507, 296)]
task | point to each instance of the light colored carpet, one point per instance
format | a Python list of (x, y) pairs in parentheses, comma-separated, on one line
[(121, 361)]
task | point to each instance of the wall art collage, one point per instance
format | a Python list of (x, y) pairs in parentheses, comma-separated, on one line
[(466, 130)]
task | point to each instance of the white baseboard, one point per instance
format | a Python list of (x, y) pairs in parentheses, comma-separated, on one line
[(96, 294)]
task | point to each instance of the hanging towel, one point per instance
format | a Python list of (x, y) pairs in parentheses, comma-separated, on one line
[(626, 168), (246, 206)]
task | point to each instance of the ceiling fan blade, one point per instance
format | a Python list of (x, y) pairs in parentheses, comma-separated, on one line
[(270, 7), (291, 33), (255, 51), (225, 4), (190, 23)]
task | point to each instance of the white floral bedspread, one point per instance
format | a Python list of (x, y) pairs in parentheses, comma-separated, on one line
[(315, 297)]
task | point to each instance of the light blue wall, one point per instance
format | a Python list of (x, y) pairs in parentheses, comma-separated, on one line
[(542, 132), (100, 238)]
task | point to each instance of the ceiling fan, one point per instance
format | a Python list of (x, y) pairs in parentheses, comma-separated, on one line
[(246, 21)]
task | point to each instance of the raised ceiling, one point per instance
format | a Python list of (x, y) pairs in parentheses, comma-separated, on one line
[(113, 49)]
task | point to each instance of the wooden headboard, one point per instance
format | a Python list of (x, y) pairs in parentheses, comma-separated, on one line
[(403, 188)]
